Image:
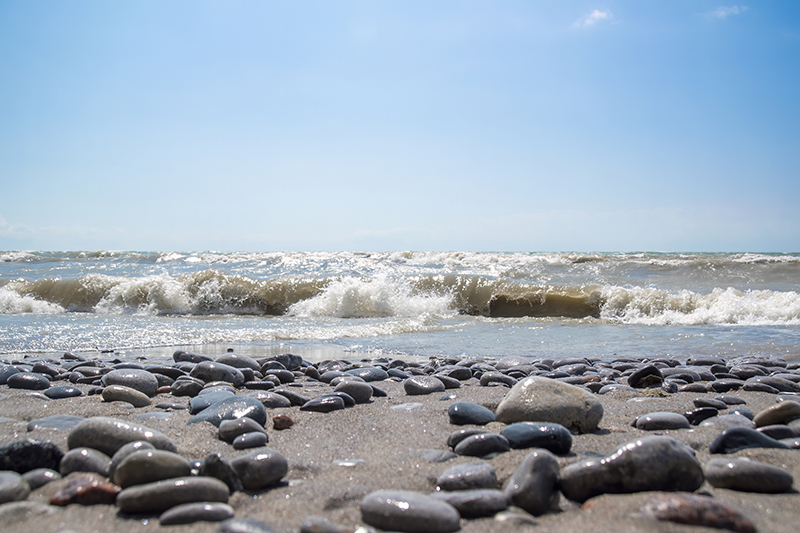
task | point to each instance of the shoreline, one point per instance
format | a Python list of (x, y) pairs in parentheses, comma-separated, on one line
[(336, 459)]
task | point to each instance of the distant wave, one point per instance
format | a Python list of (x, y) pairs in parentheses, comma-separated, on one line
[(214, 292)]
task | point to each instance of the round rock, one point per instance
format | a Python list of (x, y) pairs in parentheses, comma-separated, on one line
[(137, 379), (148, 466), (230, 409), (419, 385), (660, 421)]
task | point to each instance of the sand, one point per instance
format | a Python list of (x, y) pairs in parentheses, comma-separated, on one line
[(383, 448)]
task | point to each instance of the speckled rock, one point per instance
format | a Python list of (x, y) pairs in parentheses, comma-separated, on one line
[(29, 454)]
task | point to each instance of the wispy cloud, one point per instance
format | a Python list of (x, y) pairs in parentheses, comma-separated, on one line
[(593, 18), (723, 12)]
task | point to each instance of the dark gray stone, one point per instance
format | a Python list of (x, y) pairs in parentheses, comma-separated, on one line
[(253, 439), (369, 373), (26, 455), (148, 466), (468, 476), (189, 513), (660, 421), (209, 371), (159, 496), (463, 413), (475, 503), (136, 379), (324, 405), (270, 400), (55, 422), (260, 469), (548, 435), (230, 429), (40, 477), (124, 452), (28, 381), (109, 434), (216, 466), (534, 484), (482, 444), (747, 476), (735, 439), (232, 408), (359, 391), (84, 460), (419, 385), (63, 391), (410, 512)]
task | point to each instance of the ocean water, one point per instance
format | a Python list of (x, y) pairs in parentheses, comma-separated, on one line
[(411, 304)]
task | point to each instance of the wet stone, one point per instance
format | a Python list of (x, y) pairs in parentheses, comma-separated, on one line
[(647, 376), (324, 404), (216, 466), (457, 436), (779, 431), (7, 371), (124, 452), (162, 495), (421, 385), (244, 525), (735, 439), (349, 401), (189, 513), (548, 435), (463, 413), (28, 381), (660, 421), (204, 401), (271, 400), (369, 373), (109, 434), (232, 408), (86, 489), (295, 398), (475, 503), (186, 388), (725, 385), (730, 400), (319, 524), (171, 406), (360, 392), (482, 444), (534, 484), (261, 468), (209, 371), (26, 455), (63, 391), (696, 416), (12, 487), (697, 510), (253, 439), (147, 466), (468, 476), (747, 476), (780, 413), (409, 512), (39, 477), (140, 380), (55, 422), (120, 393), (708, 402), (661, 463), (84, 460)]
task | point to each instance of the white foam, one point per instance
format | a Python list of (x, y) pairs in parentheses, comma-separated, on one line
[(11, 302)]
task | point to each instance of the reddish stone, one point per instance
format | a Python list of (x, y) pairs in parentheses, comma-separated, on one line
[(86, 489), (697, 511), (282, 422)]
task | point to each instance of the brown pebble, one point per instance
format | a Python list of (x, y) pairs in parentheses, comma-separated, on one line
[(282, 422), (86, 489), (697, 511), (164, 390)]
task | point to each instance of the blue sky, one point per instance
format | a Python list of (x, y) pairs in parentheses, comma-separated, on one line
[(387, 125)]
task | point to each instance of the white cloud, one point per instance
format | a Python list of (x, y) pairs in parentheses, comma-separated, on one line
[(8, 229), (593, 18), (723, 12)]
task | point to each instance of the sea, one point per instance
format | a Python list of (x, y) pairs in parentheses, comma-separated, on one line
[(413, 305)]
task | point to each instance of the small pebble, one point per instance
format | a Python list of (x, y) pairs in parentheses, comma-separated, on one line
[(189, 513), (463, 413), (748, 476), (697, 510), (394, 510)]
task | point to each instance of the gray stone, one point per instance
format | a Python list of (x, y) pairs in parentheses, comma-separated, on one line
[(468, 476), (647, 464), (121, 393), (739, 438), (209, 371), (780, 413), (84, 460), (324, 405), (148, 466), (419, 385), (230, 429), (239, 361), (261, 468), (28, 381), (482, 444), (12, 487), (660, 421), (207, 399), (536, 399), (124, 452), (369, 373), (410, 512), (270, 400), (189, 513), (59, 422), (244, 525), (462, 413), (7, 371), (140, 380), (109, 434), (216, 466), (40, 477), (253, 439), (534, 484), (748, 476), (230, 409), (159, 496), (548, 435), (475, 503), (360, 392), (63, 391)]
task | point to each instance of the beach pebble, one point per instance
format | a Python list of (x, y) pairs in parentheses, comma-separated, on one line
[(730, 400), (660, 421), (475, 503), (284, 376), (360, 392), (779, 431), (209, 371), (489, 379), (725, 385), (230, 429), (420, 385), (319, 524), (244, 525), (186, 387), (86, 489), (697, 510), (647, 376), (137, 379), (468, 476), (189, 513), (461, 434), (349, 401), (534, 484), (12, 487), (84, 460), (109, 434), (324, 404), (780, 413), (463, 413), (162, 495), (270, 400), (717, 404), (482, 444), (216, 466), (147, 466), (548, 435), (747, 476), (231, 409), (729, 421), (39, 477), (120, 393), (28, 381), (253, 439), (699, 414), (238, 361), (60, 422), (660, 463), (281, 422), (206, 399), (26, 455), (7, 371), (63, 391), (261, 468), (295, 398), (735, 439), (412, 512), (124, 452), (369, 373), (536, 399)]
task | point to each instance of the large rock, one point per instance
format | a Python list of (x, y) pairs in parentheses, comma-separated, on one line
[(536, 399)]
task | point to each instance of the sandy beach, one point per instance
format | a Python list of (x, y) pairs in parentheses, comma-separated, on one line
[(335, 459)]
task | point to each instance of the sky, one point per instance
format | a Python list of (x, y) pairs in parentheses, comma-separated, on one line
[(400, 125)]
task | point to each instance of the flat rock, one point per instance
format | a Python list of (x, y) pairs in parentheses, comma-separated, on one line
[(475, 503), (121, 393), (59, 422), (84, 460), (462, 413), (109, 434), (209, 371), (536, 399), (482, 444), (159, 496), (734, 439), (659, 463), (780, 413), (63, 391), (411, 512), (148, 466), (230, 409), (660, 421), (697, 510), (421, 385), (28, 381), (548, 435), (86, 489), (748, 476)]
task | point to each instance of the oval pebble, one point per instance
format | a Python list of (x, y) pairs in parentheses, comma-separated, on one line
[(12, 487), (230, 429), (137, 379), (28, 381), (482, 444), (747, 476), (63, 391), (324, 405), (260, 468), (189, 513), (253, 439), (159, 496), (475, 503), (534, 484), (148, 466), (660, 421), (548, 435), (40, 477), (230, 409), (420, 385), (121, 393), (468, 476), (84, 460), (734, 439), (109, 434), (26, 455), (462, 413), (409, 512)]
